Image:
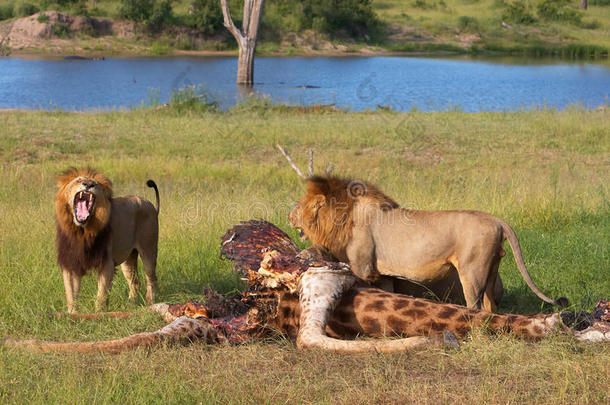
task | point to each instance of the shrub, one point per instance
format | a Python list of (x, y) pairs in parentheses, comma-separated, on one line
[(206, 15), (519, 12), (160, 47), (423, 4), (354, 17), (26, 9), (60, 30), (136, 10), (7, 11), (558, 10), (161, 16), (192, 98), (42, 18), (466, 23)]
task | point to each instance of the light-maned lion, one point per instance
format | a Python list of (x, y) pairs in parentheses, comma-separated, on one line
[(367, 229), (95, 230)]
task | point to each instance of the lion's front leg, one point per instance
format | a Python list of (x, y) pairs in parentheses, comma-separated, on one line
[(361, 256), (104, 283), (72, 288)]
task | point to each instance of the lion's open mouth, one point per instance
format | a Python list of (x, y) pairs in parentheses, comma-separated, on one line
[(83, 204)]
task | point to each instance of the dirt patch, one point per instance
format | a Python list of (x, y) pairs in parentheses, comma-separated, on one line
[(54, 29)]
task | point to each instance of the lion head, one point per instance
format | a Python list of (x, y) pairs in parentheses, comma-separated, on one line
[(324, 215), (83, 201)]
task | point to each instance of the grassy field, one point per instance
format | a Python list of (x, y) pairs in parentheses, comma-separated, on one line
[(545, 172)]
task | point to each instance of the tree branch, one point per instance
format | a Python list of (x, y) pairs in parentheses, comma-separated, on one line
[(291, 162), (228, 22)]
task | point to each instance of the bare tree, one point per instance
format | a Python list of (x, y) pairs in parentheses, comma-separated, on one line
[(246, 38), (584, 4)]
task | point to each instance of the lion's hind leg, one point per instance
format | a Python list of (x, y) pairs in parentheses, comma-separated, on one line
[(130, 270), (149, 262)]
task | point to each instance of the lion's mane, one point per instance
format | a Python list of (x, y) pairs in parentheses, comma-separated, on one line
[(82, 248), (331, 225)]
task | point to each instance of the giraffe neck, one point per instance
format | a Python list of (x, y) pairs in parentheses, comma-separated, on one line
[(377, 313)]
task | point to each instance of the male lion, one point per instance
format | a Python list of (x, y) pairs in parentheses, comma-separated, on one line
[(96, 230), (365, 228)]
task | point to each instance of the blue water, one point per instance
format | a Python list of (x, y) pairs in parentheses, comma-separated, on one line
[(354, 82)]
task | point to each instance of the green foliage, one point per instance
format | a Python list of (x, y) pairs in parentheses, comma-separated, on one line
[(356, 18), (136, 10), (424, 4), (205, 15), (469, 24), (558, 10), (42, 18), (60, 30), (599, 3), (193, 99), (7, 11), (518, 11), (161, 16), (156, 14), (160, 47), (26, 9)]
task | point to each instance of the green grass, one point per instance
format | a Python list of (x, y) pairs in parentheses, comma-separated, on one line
[(545, 172)]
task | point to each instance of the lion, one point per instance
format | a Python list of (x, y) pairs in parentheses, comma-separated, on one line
[(362, 226), (95, 230)]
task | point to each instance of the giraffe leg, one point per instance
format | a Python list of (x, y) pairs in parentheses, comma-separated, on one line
[(182, 330)]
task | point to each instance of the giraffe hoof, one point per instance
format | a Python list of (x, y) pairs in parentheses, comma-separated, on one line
[(450, 340)]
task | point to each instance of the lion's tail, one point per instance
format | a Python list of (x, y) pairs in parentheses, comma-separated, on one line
[(152, 184), (514, 244)]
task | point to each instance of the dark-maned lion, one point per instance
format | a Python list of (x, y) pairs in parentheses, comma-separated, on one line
[(365, 228), (95, 230)]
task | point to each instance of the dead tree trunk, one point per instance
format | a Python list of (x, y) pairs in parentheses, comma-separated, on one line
[(584, 4), (246, 38)]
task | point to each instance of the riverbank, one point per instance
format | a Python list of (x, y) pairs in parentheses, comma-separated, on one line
[(545, 172), (425, 27)]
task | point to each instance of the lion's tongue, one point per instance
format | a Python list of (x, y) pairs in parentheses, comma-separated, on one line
[(82, 212)]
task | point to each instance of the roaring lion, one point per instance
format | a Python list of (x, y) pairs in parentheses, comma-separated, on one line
[(362, 226), (95, 230)]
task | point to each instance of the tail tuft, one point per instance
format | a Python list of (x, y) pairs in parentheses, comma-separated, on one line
[(153, 185), (562, 302)]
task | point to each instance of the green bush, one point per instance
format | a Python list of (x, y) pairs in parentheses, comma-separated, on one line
[(599, 2), (7, 11), (60, 30), (558, 10), (136, 10), (42, 18), (192, 98), (469, 24), (423, 4), (205, 15), (161, 16), (354, 17), (26, 9), (518, 12), (156, 14)]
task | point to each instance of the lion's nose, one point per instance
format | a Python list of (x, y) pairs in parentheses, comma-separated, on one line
[(88, 185)]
